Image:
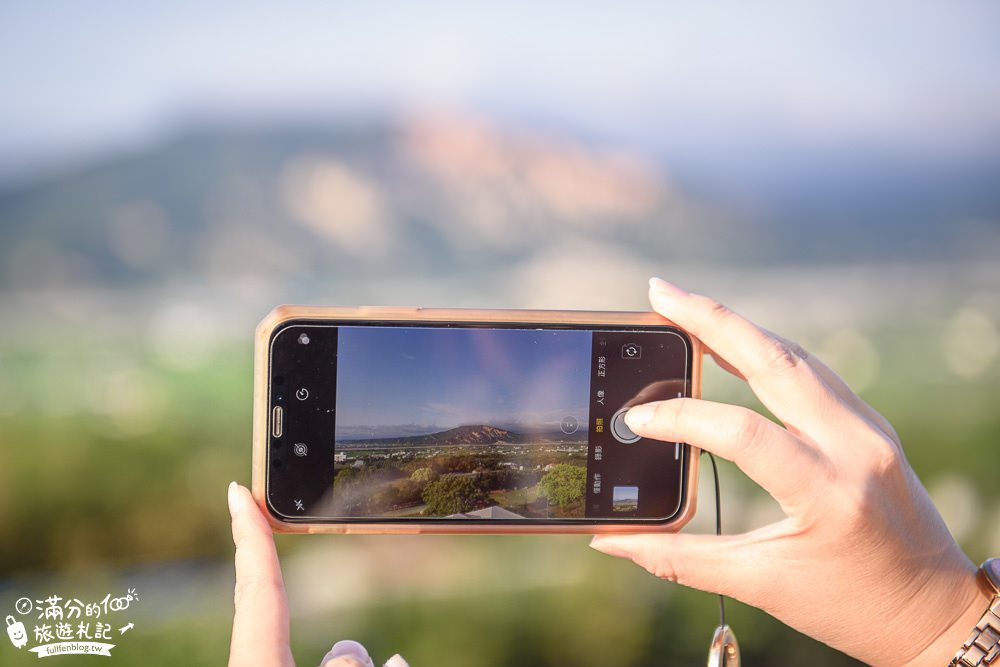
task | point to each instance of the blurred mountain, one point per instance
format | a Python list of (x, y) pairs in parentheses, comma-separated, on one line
[(425, 196), (469, 434)]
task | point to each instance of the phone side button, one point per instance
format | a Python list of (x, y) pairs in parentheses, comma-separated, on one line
[(277, 421)]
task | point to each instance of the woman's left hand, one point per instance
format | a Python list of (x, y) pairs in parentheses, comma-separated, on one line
[(260, 624)]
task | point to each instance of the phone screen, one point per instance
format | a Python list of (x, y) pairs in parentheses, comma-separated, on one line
[(433, 422)]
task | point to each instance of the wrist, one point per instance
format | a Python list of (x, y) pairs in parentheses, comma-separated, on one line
[(972, 600)]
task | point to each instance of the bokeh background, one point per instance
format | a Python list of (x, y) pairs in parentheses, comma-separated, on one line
[(170, 171)]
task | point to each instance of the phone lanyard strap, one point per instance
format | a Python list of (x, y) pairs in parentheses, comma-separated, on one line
[(724, 650)]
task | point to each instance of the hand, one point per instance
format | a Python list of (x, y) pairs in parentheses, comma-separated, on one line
[(260, 624), (862, 559)]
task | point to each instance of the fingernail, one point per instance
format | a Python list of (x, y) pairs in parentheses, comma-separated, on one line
[(348, 649), (345, 661), (396, 661), (640, 415), (605, 546), (233, 496), (663, 287)]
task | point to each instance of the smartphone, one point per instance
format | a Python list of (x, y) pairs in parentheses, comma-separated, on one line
[(386, 420)]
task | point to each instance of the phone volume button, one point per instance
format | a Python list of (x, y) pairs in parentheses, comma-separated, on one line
[(277, 421)]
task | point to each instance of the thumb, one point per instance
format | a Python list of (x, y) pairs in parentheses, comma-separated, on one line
[(711, 563), (260, 621)]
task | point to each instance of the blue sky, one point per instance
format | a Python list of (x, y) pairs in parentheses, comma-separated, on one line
[(726, 88), (440, 378)]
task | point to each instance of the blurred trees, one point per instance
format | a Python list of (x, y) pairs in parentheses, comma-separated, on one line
[(454, 494), (564, 484)]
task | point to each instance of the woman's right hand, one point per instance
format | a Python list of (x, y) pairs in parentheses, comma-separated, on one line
[(862, 559)]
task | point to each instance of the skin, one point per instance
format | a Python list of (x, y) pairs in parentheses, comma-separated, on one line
[(260, 621), (861, 561)]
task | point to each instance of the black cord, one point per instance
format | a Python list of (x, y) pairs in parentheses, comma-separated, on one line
[(718, 530)]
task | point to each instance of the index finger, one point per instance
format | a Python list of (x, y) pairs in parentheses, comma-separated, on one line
[(260, 622), (782, 464), (776, 371)]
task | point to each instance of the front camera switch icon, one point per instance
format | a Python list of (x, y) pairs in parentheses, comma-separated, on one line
[(631, 351)]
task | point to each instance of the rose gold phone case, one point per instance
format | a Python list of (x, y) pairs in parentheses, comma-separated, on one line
[(283, 314)]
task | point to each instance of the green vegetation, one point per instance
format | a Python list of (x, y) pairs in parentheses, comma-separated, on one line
[(424, 475), (453, 494), (564, 484), (396, 480)]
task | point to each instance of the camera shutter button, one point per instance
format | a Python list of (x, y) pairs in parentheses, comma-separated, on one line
[(620, 430)]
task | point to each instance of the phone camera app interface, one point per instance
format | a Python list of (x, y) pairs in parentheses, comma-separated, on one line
[(477, 423)]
